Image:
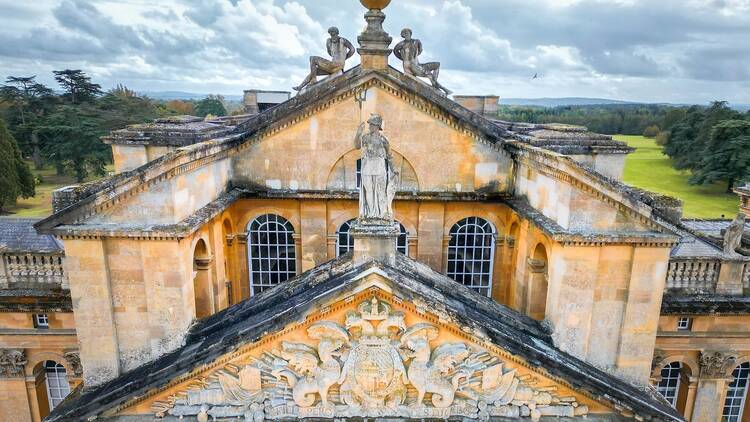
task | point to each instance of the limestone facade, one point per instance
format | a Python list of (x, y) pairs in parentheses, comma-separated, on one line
[(212, 276)]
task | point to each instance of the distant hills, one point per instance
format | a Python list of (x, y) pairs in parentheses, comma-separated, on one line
[(584, 101), (537, 102), (555, 102), (181, 95)]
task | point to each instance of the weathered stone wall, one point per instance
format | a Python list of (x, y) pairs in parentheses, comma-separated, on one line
[(303, 154), (603, 304), (610, 165), (569, 206), (130, 301), (170, 199)]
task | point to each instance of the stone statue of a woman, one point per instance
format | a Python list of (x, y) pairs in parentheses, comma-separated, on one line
[(378, 186)]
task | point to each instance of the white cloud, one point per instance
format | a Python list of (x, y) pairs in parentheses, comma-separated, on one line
[(672, 50)]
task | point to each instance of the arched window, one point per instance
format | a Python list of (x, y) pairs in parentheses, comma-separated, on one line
[(56, 381), (345, 242), (669, 386), (270, 252), (471, 252), (737, 394)]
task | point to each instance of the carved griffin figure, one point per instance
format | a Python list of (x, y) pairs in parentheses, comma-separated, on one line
[(438, 372), (310, 372)]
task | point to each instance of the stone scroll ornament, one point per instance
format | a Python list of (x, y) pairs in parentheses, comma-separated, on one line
[(372, 366), (379, 175), (339, 48), (408, 51)]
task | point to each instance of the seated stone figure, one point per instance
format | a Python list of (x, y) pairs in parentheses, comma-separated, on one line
[(339, 49), (407, 51)]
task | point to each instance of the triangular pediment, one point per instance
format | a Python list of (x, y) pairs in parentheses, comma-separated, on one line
[(370, 354), (370, 338)]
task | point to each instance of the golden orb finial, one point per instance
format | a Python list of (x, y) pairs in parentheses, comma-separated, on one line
[(375, 4)]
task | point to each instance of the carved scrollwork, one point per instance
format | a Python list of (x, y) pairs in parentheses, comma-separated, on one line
[(372, 366), (715, 364), (12, 362)]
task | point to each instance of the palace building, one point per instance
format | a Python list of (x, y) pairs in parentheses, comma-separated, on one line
[(268, 266)]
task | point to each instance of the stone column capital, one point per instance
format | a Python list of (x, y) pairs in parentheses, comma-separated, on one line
[(716, 364)]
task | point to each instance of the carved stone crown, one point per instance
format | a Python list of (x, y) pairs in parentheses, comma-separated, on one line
[(374, 310)]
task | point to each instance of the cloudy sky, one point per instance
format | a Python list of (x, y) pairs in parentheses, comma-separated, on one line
[(644, 50)]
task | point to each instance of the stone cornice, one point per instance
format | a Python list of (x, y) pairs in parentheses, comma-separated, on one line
[(569, 238)]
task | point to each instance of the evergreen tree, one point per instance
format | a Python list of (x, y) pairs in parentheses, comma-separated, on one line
[(29, 101), (727, 155), (211, 105), (72, 139), (77, 86), (15, 177)]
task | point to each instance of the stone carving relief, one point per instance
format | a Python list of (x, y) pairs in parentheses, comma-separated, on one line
[(658, 360), (74, 360), (12, 362), (715, 364), (372, 366)]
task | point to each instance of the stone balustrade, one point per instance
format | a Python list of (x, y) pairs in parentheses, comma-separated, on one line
[(32, 270), (693, 275)]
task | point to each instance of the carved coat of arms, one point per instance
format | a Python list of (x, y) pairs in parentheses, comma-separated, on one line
[(372, 366)]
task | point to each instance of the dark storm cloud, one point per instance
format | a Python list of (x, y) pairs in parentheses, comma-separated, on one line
[(591, 47)]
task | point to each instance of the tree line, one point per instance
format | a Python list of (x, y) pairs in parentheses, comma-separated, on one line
[(62, 127), (610, 119), (712, 142)]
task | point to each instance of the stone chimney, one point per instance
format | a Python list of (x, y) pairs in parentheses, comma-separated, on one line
[(374, 42), (486, 105), (256, 100)]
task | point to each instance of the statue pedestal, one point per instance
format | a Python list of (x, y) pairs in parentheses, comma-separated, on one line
[(375, 240), (374, 42)]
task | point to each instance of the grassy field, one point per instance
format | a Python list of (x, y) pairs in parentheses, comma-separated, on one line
[(41, 205), (649, 169)]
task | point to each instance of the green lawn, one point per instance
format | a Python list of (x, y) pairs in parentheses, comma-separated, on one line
[(41, 205), (649, 169)]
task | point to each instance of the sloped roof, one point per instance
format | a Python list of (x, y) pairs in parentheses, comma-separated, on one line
[(18, 235), (289, 302)]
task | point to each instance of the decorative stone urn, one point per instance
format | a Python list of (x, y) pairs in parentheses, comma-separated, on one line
[(375, 4)]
